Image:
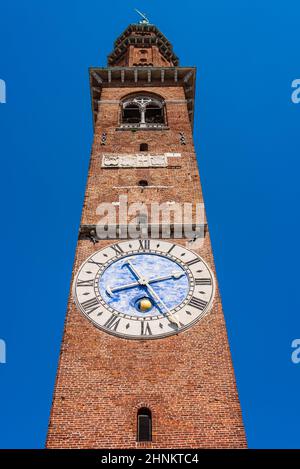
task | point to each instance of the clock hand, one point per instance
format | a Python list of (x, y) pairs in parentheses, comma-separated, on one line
[(143, 281), (110, 291), (158, 300), (173, 275), (140, 281)]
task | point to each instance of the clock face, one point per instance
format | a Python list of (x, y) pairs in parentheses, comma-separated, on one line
[(144, 289)]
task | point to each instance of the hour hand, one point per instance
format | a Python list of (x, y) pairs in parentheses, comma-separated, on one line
[(173, 275)]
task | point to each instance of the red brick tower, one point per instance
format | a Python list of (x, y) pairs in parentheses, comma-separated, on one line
[(156, 372)]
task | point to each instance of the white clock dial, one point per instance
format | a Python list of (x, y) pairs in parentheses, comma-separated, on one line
[(144, 289)]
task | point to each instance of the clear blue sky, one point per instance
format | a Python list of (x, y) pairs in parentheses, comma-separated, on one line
[(247, 139)]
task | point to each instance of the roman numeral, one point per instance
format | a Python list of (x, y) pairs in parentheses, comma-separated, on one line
[(194, 261), (203, 281), (171, 248), (85, 283), (99, 264), (117, 248), (144, 244), (90, 305), (145, 328), (197, 303), (112, 323)]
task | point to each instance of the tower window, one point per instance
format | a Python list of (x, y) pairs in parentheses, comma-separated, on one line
[(144, 147), (154, 114), (144, 110), (131, 114), (143, 183), (144, 425)]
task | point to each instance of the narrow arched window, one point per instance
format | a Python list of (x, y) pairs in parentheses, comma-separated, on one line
[(143, 183), (144, 424), (144, 147)]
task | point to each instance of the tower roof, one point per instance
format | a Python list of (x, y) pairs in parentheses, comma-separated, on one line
[(142, 35)]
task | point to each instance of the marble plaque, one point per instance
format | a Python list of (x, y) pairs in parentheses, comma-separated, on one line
[(137, 160)]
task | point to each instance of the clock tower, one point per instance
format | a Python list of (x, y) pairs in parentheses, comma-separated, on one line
[(145, 360)]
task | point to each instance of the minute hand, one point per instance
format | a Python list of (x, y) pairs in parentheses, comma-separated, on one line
[(171, 317)]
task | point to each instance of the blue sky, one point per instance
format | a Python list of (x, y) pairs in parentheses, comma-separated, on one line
[(247, 140)]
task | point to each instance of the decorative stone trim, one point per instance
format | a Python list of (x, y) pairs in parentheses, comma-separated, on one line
[(140, 126), (138, 160)]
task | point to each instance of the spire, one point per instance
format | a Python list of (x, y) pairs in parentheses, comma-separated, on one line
[(142, 45)]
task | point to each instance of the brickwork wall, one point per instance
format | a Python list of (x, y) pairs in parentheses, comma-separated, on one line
[(183, 181), (151, 54)]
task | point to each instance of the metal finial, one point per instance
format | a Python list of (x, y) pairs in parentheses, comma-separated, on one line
[(144, 19)]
